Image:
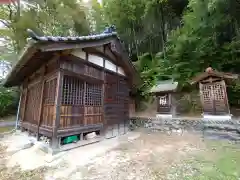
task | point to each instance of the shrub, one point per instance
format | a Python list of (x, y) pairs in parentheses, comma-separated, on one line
[(8, 100)]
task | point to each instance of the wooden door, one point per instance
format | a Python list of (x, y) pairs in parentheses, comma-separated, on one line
[(214, 98), (116, 105)]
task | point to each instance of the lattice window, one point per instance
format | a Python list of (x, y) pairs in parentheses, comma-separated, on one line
[(206, 92), (50, 91), (93, 94), (73, 91), (218, 92)]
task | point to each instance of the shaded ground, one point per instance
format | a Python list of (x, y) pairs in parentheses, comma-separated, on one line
[(7, 123), (149, 157)]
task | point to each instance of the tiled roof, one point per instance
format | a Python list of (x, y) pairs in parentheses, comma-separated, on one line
[(103, 35), (204, 75), (22, 67)]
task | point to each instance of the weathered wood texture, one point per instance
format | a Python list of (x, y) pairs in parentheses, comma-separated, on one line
[(82, 69), (132, 107), (49, 103), (91, 98), (214, 97), (74, 110), (116, 99), (34, 104)]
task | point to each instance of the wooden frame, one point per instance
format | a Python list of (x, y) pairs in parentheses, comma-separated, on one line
[(213, 92), (87, 108)]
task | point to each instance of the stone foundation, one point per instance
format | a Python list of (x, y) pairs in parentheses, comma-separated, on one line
[(224, 128)]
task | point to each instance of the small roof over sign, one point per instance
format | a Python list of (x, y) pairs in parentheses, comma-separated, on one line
[(165, 86)]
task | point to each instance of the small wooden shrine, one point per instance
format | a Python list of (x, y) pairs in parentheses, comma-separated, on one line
[(213, 94), (165, 95), (74, 86)]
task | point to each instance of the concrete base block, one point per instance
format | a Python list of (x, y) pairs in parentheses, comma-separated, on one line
[(109, 133), (115, 130), (121, 129), (217, 117), (164, 116)]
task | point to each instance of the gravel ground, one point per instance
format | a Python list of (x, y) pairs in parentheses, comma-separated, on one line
[(152, 156), (149, 157)]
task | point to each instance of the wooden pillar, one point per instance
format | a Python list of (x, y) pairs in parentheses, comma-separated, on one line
[(25, 88), (19, 106), (41, 102), (103, 92), (226, 96), (173, 103), (201, 96), (84, 102), (55, 142)]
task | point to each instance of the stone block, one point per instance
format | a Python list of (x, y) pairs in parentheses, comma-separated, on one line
[(91, 135)]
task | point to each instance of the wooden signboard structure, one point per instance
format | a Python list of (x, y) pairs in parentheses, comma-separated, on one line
[(74, 86), (165, 95), (213, 93)]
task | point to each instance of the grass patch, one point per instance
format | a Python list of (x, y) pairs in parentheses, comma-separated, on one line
[(6, 129), (220, 160)]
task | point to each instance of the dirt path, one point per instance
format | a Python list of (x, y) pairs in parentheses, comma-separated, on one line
[(148, 156)]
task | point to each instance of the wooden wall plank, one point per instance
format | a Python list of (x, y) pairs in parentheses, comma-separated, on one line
[(41, 103), (57, 111), (25, 100)]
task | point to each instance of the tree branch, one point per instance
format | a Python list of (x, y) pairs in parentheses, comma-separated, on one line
[(5, 23)]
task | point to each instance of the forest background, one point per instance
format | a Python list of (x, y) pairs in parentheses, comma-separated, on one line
[(165, 38)]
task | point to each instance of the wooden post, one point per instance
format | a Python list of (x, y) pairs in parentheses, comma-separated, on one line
[(55, 142), (103, 92), (226, 96), (84, 102), (201, 96), (19, 107), (25, 100), (173, 102), (41, 102)]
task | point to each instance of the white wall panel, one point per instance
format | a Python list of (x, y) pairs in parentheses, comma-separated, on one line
[(95, 60), (110, 66), (79, 53), (121, 71)]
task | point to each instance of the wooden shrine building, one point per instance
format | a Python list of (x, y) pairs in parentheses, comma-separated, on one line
[(213, 93), (74, 86), (165, 95)]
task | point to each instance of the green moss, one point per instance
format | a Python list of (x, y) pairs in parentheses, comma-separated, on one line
[(5, 129)]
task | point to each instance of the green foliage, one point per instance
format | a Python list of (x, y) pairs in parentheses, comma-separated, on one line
[(142, 25), (8, 101), (147, 65), (209, 36), (52, 17)]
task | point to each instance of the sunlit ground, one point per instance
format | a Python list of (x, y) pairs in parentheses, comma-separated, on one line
[(152, 156)]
